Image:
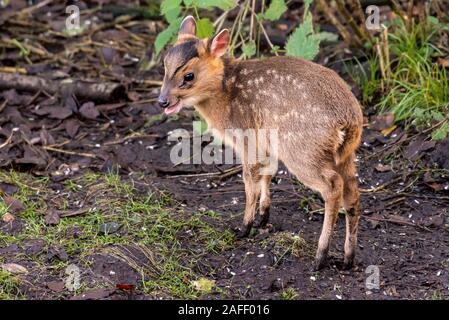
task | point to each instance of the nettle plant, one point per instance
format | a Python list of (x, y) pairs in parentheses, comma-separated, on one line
[(247, 27)]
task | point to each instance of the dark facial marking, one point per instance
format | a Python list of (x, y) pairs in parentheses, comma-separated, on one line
[(179, 55)]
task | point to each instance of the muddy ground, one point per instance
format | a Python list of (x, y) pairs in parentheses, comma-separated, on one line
[(86, 183)]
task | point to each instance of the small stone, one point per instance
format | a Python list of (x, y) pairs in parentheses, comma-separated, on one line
[(8, 217), (14, 268)]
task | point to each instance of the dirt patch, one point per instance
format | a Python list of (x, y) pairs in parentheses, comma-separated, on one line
[(90, 183)]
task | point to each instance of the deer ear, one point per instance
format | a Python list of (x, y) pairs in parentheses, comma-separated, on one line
[(220, 43), (188, 27)]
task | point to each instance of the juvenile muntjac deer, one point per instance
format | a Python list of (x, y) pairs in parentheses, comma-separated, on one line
[(318, 120)]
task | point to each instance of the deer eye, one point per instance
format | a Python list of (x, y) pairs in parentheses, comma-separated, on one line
[(188, 77)]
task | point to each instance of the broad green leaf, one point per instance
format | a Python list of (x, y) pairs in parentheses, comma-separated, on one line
[(275, 10), (441, 133), (222, 4), (167, 35), (188, 3), (303, 42), (171, 9), (438, 116), (204, 28), (433, 20), (249, 49)]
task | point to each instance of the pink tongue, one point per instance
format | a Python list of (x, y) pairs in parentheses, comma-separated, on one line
[(173, 109)]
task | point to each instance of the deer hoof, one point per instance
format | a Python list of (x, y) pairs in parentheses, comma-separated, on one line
[(243, 231)]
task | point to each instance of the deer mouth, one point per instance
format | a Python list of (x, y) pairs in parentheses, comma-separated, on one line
[(174, 108)]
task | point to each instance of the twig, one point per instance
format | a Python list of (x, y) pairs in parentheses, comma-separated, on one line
[(73, 153), (3, 105), (333, 18), (406, 223), (13, 70), (34, 8), (74, 213), (207, 174), (134, 135), (351, 21), (4, 144), (381, 187)]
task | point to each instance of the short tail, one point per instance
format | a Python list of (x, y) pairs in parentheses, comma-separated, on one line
[(351, 136)]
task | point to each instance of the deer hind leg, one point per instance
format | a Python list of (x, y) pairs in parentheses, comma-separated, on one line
[(331, 189), (265, 200), (351, 203), (251, 178)]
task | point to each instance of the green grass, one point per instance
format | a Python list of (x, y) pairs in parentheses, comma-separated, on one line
[(285, 243), (9, 286), (288, 294), (411, 85), (175, 240)]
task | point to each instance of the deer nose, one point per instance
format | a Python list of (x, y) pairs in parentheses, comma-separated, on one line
[(163, 102)]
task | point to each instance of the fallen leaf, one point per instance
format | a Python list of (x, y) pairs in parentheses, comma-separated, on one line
[(34, 247), (416, 147), (397, 218), (56, 112), (110, 106), (56, 286), (7, 188), (382, 122), (56, 252), (52, 217), (13, 204), (387, 132), (203, 284), (434, 221), (108, 54), (31, 157), (46, 138), (14, 268), (383, 168), (71, 127), (89, 111)]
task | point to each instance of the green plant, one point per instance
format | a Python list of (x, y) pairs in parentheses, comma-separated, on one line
[(172, 9), (289, 294), (247, 28), (410, 84), (304, 42), (9, 286)]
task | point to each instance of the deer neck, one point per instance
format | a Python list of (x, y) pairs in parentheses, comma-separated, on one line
[(217, 110)]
